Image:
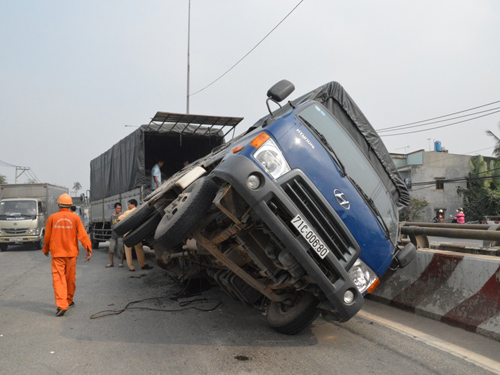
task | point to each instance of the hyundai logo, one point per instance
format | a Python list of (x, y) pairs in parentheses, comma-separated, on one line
[(341, 198)]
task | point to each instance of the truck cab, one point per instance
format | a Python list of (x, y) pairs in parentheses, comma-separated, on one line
[(24, 210)]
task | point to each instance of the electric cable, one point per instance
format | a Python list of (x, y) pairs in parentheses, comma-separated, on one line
[(248, 53), (438, 127), (435, 118), (183, 304), (400, 127)]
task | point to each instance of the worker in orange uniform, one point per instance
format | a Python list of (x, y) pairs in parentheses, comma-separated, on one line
[(62, 232)]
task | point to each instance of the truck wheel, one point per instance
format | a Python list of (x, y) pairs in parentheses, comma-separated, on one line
[(145, 230), (136, 218), (291, 319), (3, 246), (39, 244), (95, 244), (184, 213)]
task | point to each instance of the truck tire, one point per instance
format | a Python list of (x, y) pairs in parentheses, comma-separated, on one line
[(293, 319), (3, 246), (95, 244), (145, 230), (184, 213), (39, 244), (136, 218)]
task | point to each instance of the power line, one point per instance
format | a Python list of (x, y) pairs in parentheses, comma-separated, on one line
[(439, 127), (429, 184), (248, 53), (29, 172), (5, 164), (434, 122), (440, 160), (450, 114)]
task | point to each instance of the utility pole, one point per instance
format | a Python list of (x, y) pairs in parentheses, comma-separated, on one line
[(189, 37), (401, 148), (22, 169)]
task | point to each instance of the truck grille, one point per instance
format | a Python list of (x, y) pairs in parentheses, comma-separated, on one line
[(324, 221), (16, 231)]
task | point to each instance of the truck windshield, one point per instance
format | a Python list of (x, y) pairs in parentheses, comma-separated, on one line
[(354, 162), (17, 208)]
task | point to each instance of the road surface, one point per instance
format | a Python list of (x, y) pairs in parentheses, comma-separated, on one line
[(227, 338)]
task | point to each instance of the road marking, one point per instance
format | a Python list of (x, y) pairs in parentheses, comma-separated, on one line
[(477, 359)]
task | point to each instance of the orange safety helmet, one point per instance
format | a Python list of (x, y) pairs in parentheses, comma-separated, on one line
[(65, 200)]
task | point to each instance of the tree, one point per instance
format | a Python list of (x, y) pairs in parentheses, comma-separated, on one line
[(3, 179), (32, 181), (414, 210), (496, 150), (77, 186), (480, 201)]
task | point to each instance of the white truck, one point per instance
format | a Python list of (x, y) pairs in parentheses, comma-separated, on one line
[(24, 209)]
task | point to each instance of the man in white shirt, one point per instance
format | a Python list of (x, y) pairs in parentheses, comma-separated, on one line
[(156, 175)]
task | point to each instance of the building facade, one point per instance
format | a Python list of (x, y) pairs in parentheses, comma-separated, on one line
[(434, 176)]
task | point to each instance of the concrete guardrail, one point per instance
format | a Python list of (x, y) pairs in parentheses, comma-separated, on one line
[(459, 289)]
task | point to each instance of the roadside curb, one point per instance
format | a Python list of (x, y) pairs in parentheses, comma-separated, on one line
[(462, 290)]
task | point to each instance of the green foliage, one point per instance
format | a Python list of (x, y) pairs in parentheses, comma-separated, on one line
[(482, 197), (77, 186), (480, 201), (3, 179), (495, 172), (414, 210)]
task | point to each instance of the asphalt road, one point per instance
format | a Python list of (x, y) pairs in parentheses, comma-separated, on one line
[(230, 339)]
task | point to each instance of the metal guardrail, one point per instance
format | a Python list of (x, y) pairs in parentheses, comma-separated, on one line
[(418, 232)]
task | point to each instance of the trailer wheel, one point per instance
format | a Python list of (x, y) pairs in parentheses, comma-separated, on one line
[(136, 218), (145, 230), (3, 246), (184, 213), (291, 319)]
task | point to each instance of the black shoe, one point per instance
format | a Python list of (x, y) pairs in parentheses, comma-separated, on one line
[(60, 312), (146, 267), (72, 304)]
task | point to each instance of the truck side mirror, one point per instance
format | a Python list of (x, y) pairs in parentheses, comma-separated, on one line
[(279, 92)]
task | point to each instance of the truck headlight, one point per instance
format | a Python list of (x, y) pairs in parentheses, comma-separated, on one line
[(33, 232), (363, 277), (270, 157)]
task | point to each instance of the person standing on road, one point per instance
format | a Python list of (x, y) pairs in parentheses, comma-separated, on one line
[(62, 232), (156, 175), (132, 205), (116, 241)]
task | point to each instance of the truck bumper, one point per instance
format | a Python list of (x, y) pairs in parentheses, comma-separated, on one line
[(19, 240), (276, 202)]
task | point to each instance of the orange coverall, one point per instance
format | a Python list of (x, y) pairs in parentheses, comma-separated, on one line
[(62, 232)]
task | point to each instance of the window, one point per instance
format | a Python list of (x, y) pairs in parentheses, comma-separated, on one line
[(439, 183)]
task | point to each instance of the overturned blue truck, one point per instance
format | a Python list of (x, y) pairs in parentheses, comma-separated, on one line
[(298, 216)]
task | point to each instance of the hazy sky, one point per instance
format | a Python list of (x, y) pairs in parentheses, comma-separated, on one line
[(73, 73)]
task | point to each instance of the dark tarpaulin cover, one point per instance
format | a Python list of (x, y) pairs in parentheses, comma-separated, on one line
[(333, 96), (119, 169), (122, 167)]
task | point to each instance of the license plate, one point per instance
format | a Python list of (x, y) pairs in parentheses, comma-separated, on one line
[(310, 236)]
